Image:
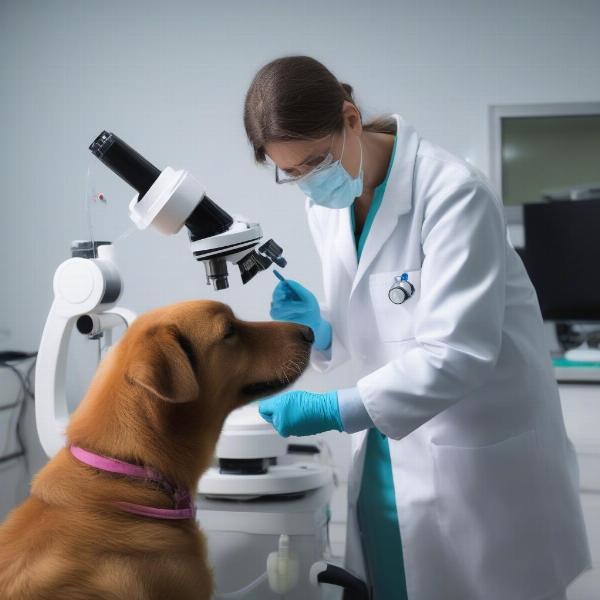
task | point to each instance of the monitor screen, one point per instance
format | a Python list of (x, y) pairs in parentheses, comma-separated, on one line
[(548, 153), (562, 257)]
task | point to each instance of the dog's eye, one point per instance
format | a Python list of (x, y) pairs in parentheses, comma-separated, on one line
[(230, 331)]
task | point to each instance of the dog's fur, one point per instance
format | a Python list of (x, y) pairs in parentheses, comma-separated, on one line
[(159, 398)]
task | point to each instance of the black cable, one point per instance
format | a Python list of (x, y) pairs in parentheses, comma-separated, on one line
[(25, 391), (20, 403), (354, 588), (12, 456), (15, 355), (29, 392)]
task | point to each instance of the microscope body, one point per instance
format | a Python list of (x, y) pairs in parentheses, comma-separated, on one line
[(88, 286), (171, 199)]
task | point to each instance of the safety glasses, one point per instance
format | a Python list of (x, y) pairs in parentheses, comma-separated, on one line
[(318, 164)]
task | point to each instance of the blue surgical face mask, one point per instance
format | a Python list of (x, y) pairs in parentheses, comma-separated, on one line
[(333, 186)]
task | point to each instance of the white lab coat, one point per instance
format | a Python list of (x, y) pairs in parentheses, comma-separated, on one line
[(460, 380)]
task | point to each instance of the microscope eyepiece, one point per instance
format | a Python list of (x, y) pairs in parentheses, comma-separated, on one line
[(128, 164)]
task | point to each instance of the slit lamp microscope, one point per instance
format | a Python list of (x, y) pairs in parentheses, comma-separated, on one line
[(244, 513), (88, 286)]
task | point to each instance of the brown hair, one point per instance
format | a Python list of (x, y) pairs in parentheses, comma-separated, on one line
[(297, 97)]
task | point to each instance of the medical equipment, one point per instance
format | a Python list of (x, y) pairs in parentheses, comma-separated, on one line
[(170, 199), (538, 150), (401, 290), (561, 255), (87, 288), (285, 281), (88, 285), (265, 514)]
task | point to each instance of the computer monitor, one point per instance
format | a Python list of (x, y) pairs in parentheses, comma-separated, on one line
[(562, 257), (536, 148)]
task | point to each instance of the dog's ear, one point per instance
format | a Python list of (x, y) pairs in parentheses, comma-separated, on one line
[(162, 362)]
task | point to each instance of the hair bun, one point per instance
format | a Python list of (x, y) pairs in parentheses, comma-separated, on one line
[(348, 89)]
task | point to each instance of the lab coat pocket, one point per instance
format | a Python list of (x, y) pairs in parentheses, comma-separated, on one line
[(490, 512), (395, 322)]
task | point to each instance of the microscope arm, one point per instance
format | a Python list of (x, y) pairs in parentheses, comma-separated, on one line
[(51, 412), (85, 293)]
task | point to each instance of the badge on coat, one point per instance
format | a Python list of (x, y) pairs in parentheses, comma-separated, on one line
[(402, 289)]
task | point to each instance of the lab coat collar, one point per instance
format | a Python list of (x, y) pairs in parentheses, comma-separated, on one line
[(397, 201)]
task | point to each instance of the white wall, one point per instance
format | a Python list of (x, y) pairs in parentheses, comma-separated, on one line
[(170, 77)]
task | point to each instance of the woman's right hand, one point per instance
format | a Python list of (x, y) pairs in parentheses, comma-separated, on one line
[(293, 303)]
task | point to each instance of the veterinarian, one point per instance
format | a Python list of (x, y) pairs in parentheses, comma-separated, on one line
[(463, 483)]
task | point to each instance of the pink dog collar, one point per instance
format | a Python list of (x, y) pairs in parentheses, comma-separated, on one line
[(184, 506)]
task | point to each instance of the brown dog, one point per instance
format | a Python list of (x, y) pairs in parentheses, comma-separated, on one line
[(159, 399)]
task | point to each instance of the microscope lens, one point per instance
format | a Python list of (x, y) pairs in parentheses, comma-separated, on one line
[(128, 164)]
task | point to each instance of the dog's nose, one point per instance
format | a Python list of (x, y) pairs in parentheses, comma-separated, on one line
[(307, 334)]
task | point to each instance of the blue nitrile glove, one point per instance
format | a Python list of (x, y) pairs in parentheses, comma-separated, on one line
[(302, 413), (292, 302)]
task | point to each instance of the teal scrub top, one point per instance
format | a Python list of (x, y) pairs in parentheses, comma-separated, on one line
[(377, 512)]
